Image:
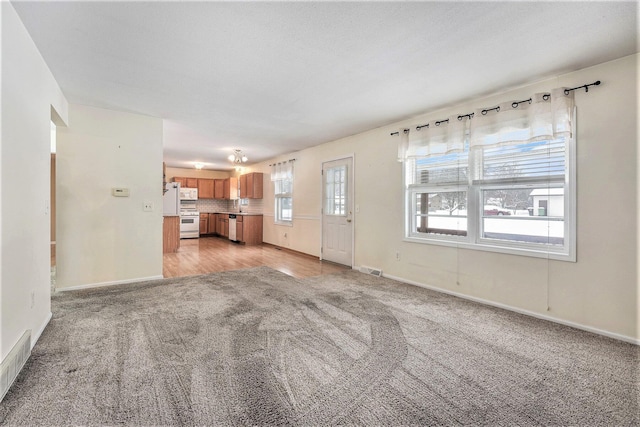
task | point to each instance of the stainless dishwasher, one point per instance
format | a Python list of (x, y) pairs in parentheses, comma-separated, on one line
[(232, 227)]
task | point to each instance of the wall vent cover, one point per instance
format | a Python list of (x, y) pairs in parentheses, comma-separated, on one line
[(370, 270)]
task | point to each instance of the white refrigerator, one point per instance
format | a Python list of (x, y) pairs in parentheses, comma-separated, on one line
[(171, 199)]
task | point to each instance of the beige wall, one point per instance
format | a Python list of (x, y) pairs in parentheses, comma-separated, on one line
[(599, 292), (195, 173), (102, 239), (29, 96)]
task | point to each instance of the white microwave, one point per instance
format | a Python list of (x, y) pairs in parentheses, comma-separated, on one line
[(188, 194)]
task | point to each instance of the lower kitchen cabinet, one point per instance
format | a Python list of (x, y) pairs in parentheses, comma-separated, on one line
[(170, 234), (222, 229), (204, 223), (249, 229), (213, 222), (239, 228)]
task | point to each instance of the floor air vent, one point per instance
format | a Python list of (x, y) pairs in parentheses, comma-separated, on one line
[(13, 363), (373, 271)]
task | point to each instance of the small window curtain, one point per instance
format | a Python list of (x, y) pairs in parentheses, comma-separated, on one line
[(282, 170), (544, 117), (439, 138)]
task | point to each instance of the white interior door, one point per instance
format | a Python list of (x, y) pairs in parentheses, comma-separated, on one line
[(337, 209)]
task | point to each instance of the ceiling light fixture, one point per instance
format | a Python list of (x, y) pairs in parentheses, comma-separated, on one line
[(199, 165), (237, 157)]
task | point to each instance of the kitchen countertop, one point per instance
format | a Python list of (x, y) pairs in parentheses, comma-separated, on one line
[(235, 213)]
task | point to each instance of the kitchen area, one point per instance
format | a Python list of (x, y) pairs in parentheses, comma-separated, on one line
[(211, 204)]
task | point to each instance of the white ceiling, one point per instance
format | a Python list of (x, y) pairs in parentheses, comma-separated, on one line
[(275, 77)]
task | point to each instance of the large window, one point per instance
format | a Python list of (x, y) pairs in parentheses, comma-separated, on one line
[(511, 194), (282, 177)]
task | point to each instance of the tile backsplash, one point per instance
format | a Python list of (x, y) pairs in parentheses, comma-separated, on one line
[(251, 205), (218, 205), (214, 205)]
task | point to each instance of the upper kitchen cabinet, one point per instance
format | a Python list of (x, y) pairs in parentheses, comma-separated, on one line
[(251, 185), (219, 189), (231, 188), (205, 188), (186, 182)]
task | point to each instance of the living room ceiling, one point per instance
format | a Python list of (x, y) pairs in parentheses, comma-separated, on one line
[(275, 77)]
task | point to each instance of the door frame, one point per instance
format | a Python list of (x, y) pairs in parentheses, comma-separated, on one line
[(352, 190)]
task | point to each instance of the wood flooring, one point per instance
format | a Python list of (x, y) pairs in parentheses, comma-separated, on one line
[(212, 254)]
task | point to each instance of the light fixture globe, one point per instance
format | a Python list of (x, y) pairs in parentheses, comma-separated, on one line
[(237, 157)]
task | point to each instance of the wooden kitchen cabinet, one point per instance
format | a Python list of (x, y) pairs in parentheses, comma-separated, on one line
[(239, 228), (251, 186), (213, 222), (186, 182), (204, 223), (231, 188), (170, 234), (205, 188), (219, 189), (222, 228), (249, 229)]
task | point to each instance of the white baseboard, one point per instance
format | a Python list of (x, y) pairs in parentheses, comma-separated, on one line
[(608, 334), (36, 336), (112, 283)]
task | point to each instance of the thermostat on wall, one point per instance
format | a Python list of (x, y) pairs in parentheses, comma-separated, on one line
[(120, 192)]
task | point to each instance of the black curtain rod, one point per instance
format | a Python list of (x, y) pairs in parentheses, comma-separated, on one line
[(586, 87), (514, 104), (290, 160)]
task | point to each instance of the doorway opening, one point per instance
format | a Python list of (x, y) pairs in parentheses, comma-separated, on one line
[(52, 211)]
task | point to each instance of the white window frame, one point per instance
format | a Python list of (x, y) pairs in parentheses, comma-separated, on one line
[(416, 189), (279, 197), (473, 239)]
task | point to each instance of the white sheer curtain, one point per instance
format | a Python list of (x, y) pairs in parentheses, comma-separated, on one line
[(547, 116), (282, 170), (441, 137), (403, 144)]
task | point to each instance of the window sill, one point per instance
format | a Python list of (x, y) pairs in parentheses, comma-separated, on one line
[(529, 252)]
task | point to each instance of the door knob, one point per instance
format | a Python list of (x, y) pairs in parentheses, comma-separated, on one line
[(348, 220)]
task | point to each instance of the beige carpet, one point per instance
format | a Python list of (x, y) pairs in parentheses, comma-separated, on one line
[(257, 347)]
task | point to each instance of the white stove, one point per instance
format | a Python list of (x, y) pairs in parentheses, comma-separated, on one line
[(189, 224)]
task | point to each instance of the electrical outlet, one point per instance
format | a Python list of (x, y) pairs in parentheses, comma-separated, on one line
[(147, 206), (285, 235), (33, 299)]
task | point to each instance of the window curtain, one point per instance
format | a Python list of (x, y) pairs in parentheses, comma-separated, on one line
[(543, 118), (546, 116), (403, 145), (439, 138), (282, 170)]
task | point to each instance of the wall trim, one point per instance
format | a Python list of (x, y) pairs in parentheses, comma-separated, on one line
[(111, 283), (619, 337), (295, 217), (36, 336)]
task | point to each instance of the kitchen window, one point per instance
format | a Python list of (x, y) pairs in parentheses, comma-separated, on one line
[(508, 187), (282, 178)]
